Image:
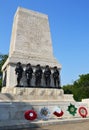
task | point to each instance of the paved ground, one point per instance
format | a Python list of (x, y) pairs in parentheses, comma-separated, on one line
[(73, 126), (66, 124)]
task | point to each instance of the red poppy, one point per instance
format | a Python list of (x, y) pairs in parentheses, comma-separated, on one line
[(30, 115)]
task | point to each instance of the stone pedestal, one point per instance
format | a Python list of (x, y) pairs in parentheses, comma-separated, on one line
[(36, 94)]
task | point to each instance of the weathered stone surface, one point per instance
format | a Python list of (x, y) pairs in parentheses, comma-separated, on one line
[(35, 94), (31, 40), (31, 37), (15, 110)]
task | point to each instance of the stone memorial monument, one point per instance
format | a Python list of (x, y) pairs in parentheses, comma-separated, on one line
[(30, 43), (31, 74)]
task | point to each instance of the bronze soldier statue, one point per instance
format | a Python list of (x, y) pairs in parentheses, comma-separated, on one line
[(56, 77), (47, 74), (28, 73), (19, 72), (38, 75)]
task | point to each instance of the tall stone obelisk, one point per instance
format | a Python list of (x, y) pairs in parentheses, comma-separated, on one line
[(30, 43)]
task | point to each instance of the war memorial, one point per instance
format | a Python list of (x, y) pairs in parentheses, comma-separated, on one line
[(31, 93)]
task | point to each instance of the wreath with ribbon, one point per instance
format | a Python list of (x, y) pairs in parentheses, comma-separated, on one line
[(58, 111), (44, 113), (30, 115), (82, 111), (72, 109)]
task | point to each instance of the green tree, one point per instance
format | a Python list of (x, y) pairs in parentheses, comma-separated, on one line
[(67, 89), (80, 88), (3, 58)]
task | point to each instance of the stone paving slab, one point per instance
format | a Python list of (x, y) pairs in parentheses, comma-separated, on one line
[(20, 124)]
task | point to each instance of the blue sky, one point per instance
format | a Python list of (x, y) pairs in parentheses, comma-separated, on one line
[(69, 26)]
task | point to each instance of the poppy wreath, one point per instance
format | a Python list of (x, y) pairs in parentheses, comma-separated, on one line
[(30, 115), (83, 112), (44, 113), (58, 112)]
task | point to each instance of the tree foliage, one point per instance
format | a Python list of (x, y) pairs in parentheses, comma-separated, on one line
[(79, 88), (3, 58)]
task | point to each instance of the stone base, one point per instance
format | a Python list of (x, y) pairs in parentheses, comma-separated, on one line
[(39, 94), (14, 111), (21, 124), (14, 102)]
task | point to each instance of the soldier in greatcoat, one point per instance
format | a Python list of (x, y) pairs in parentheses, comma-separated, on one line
[(47, 75), (28, 73), (19, 72), (56, 77), (38, 75)]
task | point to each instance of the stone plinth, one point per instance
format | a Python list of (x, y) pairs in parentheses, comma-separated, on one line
[(36, 94), (14, 111)]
